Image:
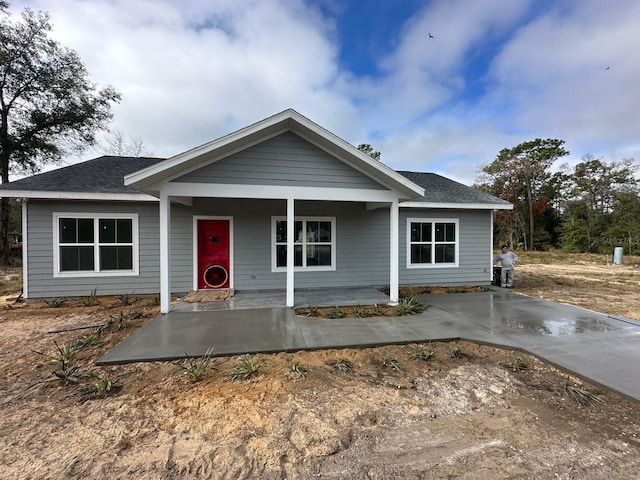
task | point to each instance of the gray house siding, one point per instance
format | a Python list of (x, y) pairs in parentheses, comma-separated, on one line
[(40, 279), (283, 160), (362, 242), (474, 249), (362, 247)]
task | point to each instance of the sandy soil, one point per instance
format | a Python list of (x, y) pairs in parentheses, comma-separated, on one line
[(469, 416)]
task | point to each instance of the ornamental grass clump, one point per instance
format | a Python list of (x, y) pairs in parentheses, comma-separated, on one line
[(420, 352), (196, 367), (410, 305), (246, 367), (391, 362), (341, 365)]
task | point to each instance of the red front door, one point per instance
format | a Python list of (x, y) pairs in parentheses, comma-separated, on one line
[(213, 254)]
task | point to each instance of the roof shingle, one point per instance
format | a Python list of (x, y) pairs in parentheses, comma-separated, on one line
[(100, 175), (439, 189)]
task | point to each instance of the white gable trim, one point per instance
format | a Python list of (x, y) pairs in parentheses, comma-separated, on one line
[(289, 120)]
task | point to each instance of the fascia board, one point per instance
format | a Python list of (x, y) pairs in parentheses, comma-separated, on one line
[(61, 195), (459, 206), (171, 163), (372, 164)]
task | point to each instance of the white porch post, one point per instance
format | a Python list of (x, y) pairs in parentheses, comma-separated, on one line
[(25, 260), (491, 214), (165, 270), (393, 252), (290, 251)]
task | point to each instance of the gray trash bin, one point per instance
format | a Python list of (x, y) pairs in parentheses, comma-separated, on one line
[(618, 252)]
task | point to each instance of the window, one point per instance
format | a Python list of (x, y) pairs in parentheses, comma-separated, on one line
[(314, 246), (86, 244), (432, 242)]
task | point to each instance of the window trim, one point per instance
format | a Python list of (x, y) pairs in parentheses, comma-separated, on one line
[(135, 271), (433, 242), (303, 219)]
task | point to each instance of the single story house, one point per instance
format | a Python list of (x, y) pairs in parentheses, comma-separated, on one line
[(281, 204)]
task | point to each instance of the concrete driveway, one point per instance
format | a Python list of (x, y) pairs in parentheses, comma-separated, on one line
[(602, 349)]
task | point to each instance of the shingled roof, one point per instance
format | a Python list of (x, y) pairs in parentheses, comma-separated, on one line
[(439, 189), (105, 175), (100, 175)]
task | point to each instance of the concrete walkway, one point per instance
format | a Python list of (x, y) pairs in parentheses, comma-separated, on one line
[(599, 348)]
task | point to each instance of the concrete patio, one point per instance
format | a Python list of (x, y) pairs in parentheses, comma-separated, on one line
[(599, 348)]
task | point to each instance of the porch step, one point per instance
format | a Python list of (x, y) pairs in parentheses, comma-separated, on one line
[(196, 296)]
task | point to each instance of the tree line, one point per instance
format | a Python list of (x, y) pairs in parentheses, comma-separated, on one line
[(592, 206)]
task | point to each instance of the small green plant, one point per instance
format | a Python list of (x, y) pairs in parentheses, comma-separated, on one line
[(65, 354), (68, 370), (101, 386), (88, 340), (312, 311), (420, 352), (126, 298), (458, 352), (246, 367), (362, 312), (517, 364), (391, 362), (410, 305), (341, 365), (91, 299), (196, 368), (299, 369), (335, 312), (55, 302), (70, 373), (582, 396), (122, 320)]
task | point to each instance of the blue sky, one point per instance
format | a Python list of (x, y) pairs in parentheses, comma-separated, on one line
[(495, 73)]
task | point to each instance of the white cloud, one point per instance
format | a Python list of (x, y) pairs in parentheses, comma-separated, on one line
[(194, 70), (190, 75), (554, 77)]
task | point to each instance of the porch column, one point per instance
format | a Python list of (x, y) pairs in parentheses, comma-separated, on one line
[(393, 252), (25, 246), (290, 251), (165, 269)]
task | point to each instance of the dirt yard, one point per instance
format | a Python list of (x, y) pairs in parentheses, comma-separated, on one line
[(468, 412)]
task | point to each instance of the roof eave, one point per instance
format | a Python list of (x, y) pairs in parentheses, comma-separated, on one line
[(61, 195), (461, 205)]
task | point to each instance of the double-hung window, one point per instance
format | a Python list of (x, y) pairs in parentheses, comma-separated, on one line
[(314, 243), (90, 244), (432, 242)]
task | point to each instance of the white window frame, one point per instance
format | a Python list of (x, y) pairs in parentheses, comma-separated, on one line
[(433, 242), (304, 268), (96, 272)]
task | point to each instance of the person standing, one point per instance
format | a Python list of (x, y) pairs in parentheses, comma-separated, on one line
[(508, 260)]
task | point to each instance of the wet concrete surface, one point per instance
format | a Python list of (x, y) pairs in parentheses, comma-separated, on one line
[(599, 348)]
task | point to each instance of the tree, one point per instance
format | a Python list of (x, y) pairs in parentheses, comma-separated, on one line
[(115, 143), (48, 106), (593, 206), (368, 149), (521, 173)]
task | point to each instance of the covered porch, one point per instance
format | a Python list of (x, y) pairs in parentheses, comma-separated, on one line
[(321, 297), (328, 200), (285, 158)]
